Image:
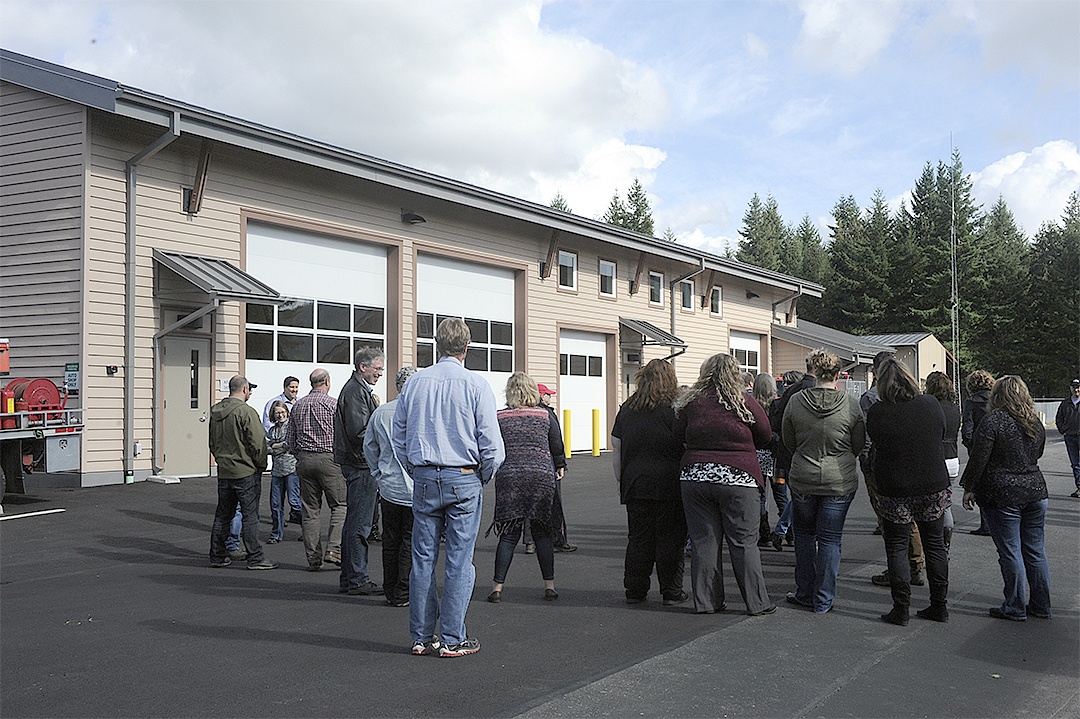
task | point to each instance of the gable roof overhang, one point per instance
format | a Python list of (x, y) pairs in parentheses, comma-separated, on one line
[(849, 348), (110, 96)]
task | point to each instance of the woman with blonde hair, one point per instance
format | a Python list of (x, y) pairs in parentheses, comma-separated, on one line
[(823, 427), (908, 429), (721, 426), (525, 483), (646, 454), (1002, 476)]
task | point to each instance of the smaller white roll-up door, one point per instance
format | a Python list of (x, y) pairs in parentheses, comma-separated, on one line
[(746, 349), (583, 384)]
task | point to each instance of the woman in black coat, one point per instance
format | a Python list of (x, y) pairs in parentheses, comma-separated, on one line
[(908, 429), (646, 458), (940, 386), (978, 385)]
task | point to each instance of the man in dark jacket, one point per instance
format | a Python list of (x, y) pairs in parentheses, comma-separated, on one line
[(1068, 423), (355, 405), (238, 443)]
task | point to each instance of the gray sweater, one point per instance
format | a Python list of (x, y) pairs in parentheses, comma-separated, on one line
[(823, 428)]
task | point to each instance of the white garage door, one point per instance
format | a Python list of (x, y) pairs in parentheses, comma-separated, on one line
[(481, 295), (746, 349), (336, 292), (583, 384)]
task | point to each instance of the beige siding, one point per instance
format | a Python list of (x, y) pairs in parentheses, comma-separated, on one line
[(42, 160), (243, 185)]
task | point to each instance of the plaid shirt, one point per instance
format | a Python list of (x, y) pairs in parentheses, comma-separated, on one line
[(311, 425)]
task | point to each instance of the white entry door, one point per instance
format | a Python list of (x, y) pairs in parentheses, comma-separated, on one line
[(185, 396)]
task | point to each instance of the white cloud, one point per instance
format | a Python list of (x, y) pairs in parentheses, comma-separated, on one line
[(799, 114), (756, 47), (1038, 37), (846, 36), (1036, 185), (717, 244), (474, 90)]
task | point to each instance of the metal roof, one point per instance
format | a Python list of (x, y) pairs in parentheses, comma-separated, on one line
[(653, 334), (848, 347), (110, 96), (899, 340), (218, 278)]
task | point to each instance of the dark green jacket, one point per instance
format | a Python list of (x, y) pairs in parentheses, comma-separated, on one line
[(824, 430), (237, 439)]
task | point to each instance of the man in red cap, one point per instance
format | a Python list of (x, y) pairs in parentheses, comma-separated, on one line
[(558, 519)]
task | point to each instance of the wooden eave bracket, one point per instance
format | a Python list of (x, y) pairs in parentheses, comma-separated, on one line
[(636, 282), (198, 187), (553, 249)]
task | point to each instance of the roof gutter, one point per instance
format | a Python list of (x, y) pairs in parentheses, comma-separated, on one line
[(131, 171), (794, 296)]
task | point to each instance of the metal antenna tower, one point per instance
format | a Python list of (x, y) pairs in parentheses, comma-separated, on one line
[(955, 312)]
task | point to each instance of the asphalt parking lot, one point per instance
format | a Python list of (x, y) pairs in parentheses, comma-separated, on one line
[(108, 609)]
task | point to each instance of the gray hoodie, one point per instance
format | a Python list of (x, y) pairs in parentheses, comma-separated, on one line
[(824, 429)]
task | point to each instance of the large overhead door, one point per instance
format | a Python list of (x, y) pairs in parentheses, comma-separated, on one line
[(746, 349), (481, 295), (583, 384), (336, 304)]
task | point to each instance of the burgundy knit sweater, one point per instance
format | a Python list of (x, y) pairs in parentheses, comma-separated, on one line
[(713, 433)]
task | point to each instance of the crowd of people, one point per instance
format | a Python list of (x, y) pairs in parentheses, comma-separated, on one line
[(695, 466)]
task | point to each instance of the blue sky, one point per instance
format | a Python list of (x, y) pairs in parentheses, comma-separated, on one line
[(706, 102)]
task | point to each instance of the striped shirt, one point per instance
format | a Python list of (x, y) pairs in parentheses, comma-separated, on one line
[(311, 426)]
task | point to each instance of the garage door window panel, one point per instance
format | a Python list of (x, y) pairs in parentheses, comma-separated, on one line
[(295, 347), (425, 355), (333, 350), (259, 345), (333, 316), (502, 360), (368, 320), (478, 329), (297, 313), (425, 325), (259, 314)]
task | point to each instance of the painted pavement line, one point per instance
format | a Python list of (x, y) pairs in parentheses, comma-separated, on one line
[(4, 517)]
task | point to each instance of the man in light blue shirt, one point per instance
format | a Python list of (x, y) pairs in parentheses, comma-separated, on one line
[(446, 432), (395, 488)]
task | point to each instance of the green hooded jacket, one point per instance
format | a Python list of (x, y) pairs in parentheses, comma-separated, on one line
[(824, 429), (237, 439)]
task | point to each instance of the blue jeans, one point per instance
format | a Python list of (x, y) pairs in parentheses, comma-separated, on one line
[(243, 492), (360, 491), (280, 488), (1072, 446), (232, 542), (1018, 534), (819, 525), (784, 523), (444, 499)]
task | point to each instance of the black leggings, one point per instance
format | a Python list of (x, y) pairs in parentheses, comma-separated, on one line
[(545, 551)]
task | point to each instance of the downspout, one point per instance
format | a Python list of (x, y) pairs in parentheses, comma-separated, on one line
[(674, 309), (794, 296), (131, 172)]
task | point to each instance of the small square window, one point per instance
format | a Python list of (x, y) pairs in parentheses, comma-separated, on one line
[(259, 345), (686, 294), (333, 316), (425, 355), (359, 343), (260, 314), (502, 360), (425, 325), (439, 319), (579, 365), (567, 270), (368, 320), (596, 366), (476, 359), (656, 288), (716, 299), (502, 333), (297, 313), (333, 350), (478, 329), (295, 347), (607, 278)]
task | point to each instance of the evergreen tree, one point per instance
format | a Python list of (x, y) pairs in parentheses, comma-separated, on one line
[(877, 241), (669, 235), (763, 234), (639, 216), (847, 304), (559, 203), (907, 271), (805, 257), (1053, 298), (616, 213)]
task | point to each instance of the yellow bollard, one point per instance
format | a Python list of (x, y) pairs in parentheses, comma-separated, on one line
[(596, 433), (566, 431)]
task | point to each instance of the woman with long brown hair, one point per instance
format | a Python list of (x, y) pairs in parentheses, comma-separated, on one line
[(721, 425), (940, 386), (646, 454), (908, 431), (1002, 476)]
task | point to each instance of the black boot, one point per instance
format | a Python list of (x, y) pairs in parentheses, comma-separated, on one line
[(937, 611), (899, 616)]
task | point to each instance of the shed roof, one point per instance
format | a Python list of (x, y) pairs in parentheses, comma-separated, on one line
[(110, 96), (848, 347), (899, 340), (218, 278)]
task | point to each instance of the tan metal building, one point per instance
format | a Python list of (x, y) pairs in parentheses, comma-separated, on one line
[(163, 247)]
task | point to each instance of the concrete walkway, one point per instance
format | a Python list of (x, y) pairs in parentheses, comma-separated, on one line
[(109, 609)]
